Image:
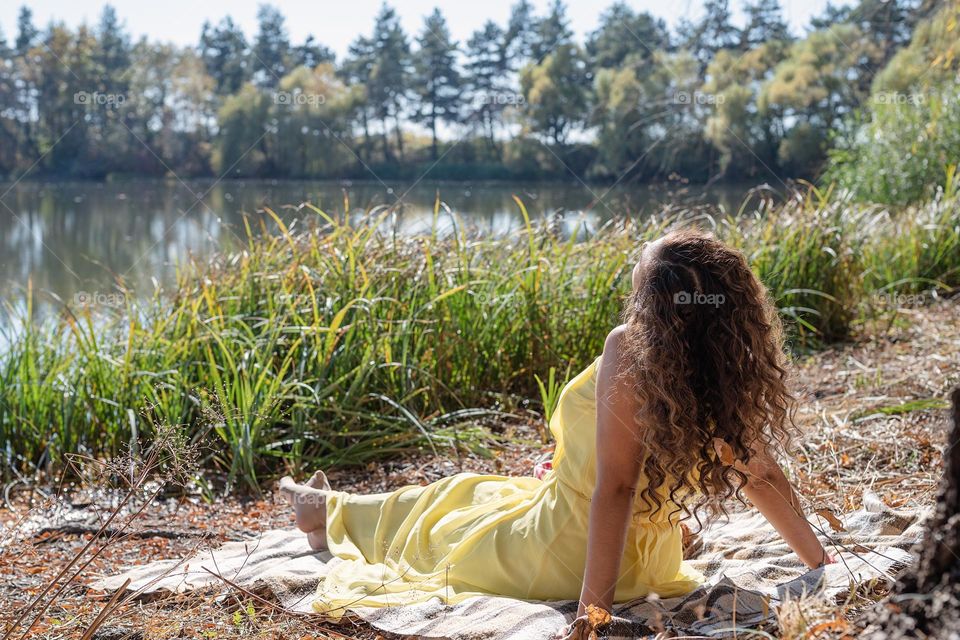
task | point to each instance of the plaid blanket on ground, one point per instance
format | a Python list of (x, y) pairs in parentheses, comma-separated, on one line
[(749, 571)]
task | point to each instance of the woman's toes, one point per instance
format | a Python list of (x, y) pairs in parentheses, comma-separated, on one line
[(288, 489), (308, 501), (319, 481)]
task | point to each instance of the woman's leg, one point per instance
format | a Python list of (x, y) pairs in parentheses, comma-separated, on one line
[(309, 502)]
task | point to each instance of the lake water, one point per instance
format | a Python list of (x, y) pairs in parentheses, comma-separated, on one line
[(76, 239)]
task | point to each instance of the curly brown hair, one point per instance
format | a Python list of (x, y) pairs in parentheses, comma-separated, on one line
[(703, 351)]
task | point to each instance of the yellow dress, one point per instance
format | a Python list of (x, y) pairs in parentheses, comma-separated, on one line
[(473, 534)]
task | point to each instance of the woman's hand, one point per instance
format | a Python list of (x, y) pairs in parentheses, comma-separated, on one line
[(579, 629), (585, 626)]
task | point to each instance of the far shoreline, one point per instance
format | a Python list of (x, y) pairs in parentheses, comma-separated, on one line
[(549, 181)]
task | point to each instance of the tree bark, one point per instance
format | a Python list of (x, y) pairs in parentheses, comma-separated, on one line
[(433, 132), (399, 130), (925, 602), (365, 150)]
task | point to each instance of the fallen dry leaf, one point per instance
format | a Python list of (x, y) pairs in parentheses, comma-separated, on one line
[(834, 521), (836, 625), (597, 616), (724, 452)]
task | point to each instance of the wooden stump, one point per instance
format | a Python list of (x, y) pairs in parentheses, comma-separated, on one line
[(925, 602)]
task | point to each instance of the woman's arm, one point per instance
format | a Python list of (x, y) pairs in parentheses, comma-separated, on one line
[(771, 493), (618, 467)]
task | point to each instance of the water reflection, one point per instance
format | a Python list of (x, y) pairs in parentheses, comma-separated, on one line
[(80, 237)]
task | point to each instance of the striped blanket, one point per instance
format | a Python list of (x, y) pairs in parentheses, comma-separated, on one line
[(748, 567)]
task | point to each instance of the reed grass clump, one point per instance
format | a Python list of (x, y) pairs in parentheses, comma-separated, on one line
[(344, 343)]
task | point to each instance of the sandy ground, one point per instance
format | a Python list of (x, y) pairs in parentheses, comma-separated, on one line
[(871, 412)]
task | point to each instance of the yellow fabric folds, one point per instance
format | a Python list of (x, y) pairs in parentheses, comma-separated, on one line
[(473, 534)]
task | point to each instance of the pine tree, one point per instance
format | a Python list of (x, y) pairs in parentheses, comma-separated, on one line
[(712, 33), (4, 47), (27, 34), (271, 49), (356, 70), (624, 34), (223, 50), (311, 53), (485, 72), (888, 22), (552, 31), (520, 38), (10, 126), (436, 79), (831, 15), (390, 74), (113, 52), (765, 23)]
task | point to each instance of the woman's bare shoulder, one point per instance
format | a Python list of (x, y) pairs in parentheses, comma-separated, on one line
[(613, 347), (613, 344), (616, 335)]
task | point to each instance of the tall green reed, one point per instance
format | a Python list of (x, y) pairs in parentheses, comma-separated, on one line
[(343, 343)]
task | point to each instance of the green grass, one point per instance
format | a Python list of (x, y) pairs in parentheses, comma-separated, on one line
[(921, 404), (344, 344)]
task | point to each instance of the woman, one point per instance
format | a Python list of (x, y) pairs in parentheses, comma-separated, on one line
[(686, 407)]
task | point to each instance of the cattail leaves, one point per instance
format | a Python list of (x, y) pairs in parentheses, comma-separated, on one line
[(329, 342)]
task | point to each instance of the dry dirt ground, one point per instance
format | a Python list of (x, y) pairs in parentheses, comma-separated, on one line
[(871, 411)]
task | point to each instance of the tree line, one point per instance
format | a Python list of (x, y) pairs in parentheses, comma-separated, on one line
[(634, 101)]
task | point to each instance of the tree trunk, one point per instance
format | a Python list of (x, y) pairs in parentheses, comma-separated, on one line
[(387, 156), (367, 146), (433, 132), (925, 602), (491, 139), (396, 119)]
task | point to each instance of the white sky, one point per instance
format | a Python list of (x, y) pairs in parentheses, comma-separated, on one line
[(337, 23)]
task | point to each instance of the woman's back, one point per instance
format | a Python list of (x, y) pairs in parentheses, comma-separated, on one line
[(574, 428)]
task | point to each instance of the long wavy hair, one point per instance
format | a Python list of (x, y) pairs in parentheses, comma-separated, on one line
[(703, 352)]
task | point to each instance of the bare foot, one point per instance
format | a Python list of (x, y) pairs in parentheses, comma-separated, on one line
[(309, 502), (318, 539)]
